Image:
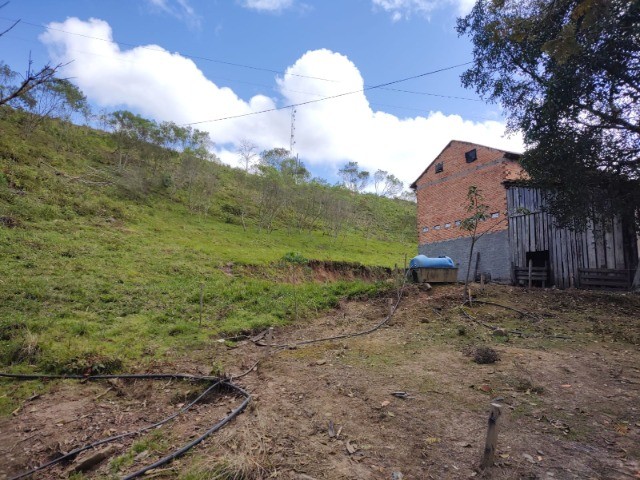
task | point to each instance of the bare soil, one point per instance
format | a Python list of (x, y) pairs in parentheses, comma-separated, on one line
[(568, 379)]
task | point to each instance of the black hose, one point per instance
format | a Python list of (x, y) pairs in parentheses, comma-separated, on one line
[(348, 335), (137, 376), (188, 446), (158, 376), (78, 450)]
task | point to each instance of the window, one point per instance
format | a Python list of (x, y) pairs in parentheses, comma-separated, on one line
[(447, 225), (439, 167), (437, 227), (471, 156), (495, 214), (425, 229)]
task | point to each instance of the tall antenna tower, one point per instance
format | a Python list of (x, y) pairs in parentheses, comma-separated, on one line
[(292, 141)]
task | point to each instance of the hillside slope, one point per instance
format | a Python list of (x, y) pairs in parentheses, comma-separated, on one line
[(103, 265)]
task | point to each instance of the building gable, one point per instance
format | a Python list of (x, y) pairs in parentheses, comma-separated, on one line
[(458, 157)]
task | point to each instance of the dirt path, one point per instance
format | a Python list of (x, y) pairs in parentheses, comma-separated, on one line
[(326, 411)]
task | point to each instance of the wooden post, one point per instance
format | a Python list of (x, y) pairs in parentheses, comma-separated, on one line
[(530, 268), (635, 285), (482, 282), (294, 282), (491, 442), (390, 301), (201, 301), (513, 274), (269, 341)]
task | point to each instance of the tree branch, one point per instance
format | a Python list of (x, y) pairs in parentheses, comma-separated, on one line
[(31, 81), (11, 27)]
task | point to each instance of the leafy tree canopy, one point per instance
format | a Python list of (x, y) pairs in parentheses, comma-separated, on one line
[(353, 177), (280, 160), (568, 74)]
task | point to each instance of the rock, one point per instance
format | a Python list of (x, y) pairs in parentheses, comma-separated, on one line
[(304, 476), (351, 448)]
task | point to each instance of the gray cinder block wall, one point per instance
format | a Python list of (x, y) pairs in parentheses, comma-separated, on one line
[(494, 255)]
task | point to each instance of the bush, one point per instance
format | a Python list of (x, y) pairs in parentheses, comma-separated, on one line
[(485, 355), (294, 257)]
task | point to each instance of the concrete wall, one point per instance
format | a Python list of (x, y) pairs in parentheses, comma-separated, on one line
[(494, 255)]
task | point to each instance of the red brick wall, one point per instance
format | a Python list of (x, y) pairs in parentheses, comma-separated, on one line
[(442, 196)]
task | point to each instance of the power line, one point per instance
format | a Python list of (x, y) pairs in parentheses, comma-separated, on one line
[(294, 105), (240, 65), (157, 50), (382, 86), (283, 89)]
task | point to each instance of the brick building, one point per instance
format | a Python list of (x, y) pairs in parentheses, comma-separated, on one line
[(521, 235), (442, 204)]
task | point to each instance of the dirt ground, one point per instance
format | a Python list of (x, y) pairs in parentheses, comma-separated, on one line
[(568, 378)]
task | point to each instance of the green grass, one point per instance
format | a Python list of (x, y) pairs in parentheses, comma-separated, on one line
[(153, 443), (96, 279), (98, 291)]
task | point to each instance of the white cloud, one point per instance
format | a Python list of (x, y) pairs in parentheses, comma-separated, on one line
[(399, 9), (267, 5), (347, 128), (181, 9), (166, 86)]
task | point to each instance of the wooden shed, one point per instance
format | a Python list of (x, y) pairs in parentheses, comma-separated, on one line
[(604, 255)]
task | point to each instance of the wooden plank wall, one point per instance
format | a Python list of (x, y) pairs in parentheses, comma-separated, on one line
[(531, 229)]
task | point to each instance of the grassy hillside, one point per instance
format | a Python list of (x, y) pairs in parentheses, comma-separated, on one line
[(102, 266)]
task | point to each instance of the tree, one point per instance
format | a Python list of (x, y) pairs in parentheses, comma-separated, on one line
[(386, 184), (10, 92), (198, 179), (568, 74), (408, 195), (130, 131), (57, 98), (478, 212), (247, 151), (280, 160), (353, 178), (14, 91)]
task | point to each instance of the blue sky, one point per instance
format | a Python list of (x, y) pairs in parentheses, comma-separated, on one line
[(173, 61)]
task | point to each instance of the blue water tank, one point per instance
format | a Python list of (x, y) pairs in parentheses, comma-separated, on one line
[(422, 261)]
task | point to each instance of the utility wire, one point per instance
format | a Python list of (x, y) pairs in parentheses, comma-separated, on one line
[(344, 94), (282, 89), (240, 65), (161, 50)]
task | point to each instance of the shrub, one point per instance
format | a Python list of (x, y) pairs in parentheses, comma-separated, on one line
[(294, 257)]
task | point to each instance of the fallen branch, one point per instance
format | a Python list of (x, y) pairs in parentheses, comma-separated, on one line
[(511, 332), (490, 327), (103, 393), (524, 314), (79, 178)]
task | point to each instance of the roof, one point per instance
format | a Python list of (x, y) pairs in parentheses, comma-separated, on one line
[(507, 154)]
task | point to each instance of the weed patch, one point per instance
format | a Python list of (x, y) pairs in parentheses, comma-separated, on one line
[(483, 355)]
